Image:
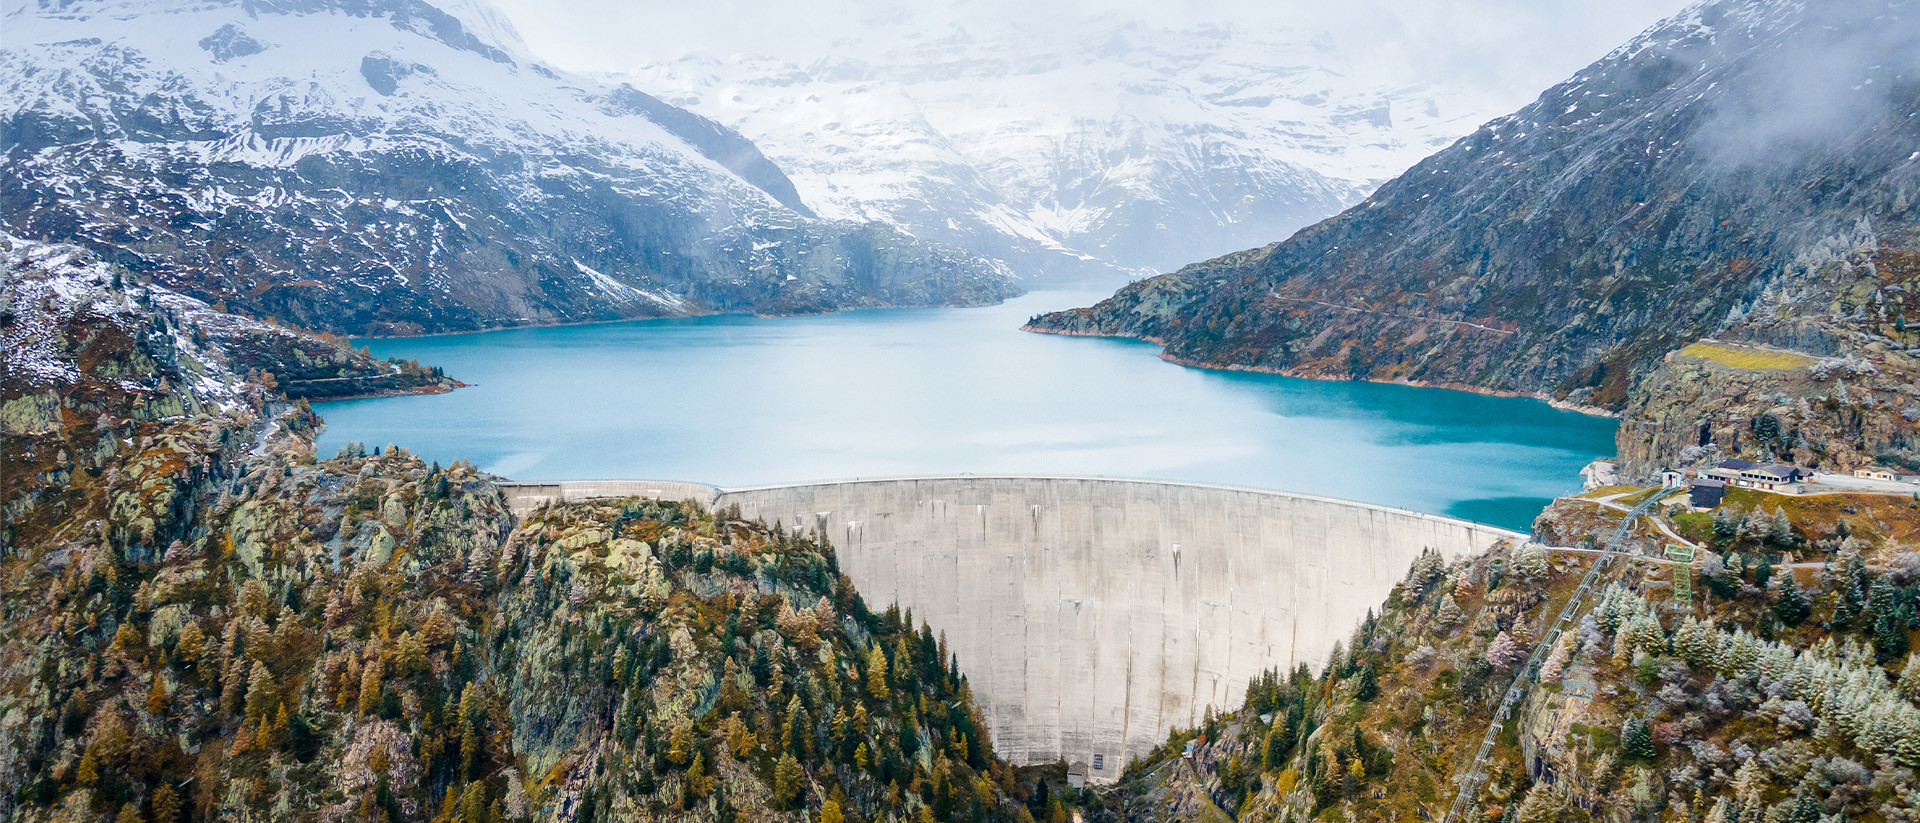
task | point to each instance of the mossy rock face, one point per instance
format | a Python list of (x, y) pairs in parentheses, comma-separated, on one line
[(37, 413)]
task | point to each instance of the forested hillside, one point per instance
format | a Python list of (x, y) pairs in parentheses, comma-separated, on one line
[(1783, 693), (204, 621)]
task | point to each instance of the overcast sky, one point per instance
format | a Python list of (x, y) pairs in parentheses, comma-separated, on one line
[(1507, 49)]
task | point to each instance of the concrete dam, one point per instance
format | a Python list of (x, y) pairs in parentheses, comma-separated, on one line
[(1093, 615)]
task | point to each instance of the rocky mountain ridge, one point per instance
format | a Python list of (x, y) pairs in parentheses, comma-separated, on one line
[(394, 168), (1742, 170)]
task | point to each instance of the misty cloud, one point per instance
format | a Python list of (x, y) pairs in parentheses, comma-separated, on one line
[(1498, 54), (1851, 70)]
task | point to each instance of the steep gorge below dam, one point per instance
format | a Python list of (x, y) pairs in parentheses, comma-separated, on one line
[(1092, 615)]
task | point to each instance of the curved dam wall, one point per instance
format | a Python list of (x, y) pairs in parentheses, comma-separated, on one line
[(1092, 615)]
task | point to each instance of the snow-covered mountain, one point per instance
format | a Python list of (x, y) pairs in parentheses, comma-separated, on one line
[(1127, 144), (401, 166)]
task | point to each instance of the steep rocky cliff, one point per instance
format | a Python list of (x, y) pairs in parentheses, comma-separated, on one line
[(1742, 165), (390, 167), (205, 622)]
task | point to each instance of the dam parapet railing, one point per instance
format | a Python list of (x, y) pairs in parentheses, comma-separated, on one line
[(1093, 614)]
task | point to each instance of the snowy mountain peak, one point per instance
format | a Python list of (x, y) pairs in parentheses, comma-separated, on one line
[(398, 166)]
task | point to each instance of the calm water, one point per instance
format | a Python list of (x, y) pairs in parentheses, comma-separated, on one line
[(743, 400)]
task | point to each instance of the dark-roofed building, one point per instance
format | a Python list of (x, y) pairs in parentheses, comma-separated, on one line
[(1706, 493), (1746, 474)]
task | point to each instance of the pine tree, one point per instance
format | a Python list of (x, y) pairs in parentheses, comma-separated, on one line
[(1804, 806), (260, 695), (1278, 744), (787, 777), (1792, 607), (1541, 805), (797, 734), (680, 746), (1748, 784), (830, 812), (1779, 528), (370, 689), (1636, 740), (1890, 634), (473, 802), (1909, 685), (1368, 686), (190, 645), (1557, 660), (157, 701), (740, 740), (1698, 644), (1721, 810), (1503, 653), (877, 673), (698, 783), (412, 656)]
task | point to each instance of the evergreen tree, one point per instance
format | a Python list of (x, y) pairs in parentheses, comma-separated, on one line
[(1636, 740), (1804, 806), (1890, 634), (1722, 812), (1276, 747), (1541, 805), (1792, 607), (1369, 686), (761, 667), (157, 701), (877, 673), (260, 695), (1909, 684), (1505, 653), (698, 783), (1780, 528), (787, 777)]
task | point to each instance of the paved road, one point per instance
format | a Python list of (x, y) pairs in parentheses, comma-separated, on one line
[(1862, 485), (1609, 502)]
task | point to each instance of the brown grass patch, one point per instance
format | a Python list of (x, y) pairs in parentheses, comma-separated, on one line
[(1743, 357)]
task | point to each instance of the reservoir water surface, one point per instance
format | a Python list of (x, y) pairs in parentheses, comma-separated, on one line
[(739, 400)]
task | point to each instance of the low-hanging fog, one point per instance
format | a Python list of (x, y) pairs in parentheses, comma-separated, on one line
[(1494, 55)]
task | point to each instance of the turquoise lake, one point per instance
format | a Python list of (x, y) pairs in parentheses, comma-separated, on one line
[(741, 400)]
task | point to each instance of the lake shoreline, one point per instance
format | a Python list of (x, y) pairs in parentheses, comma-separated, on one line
[(1563, 405)]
